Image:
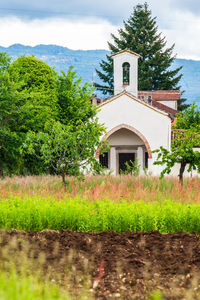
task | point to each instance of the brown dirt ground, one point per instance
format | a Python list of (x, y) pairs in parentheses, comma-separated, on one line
[(123, 266)]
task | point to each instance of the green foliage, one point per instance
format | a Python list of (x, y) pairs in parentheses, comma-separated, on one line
[(9, 138), (157, 295), (183, 145), (10, 144), (17, 286), (38, 213), (182, 150), (67, 148), (74, 99), (36, 93), (140, 35), (190, 119), (27, 100), (32, 99), (132, 168), (70, 144), (5, 60)]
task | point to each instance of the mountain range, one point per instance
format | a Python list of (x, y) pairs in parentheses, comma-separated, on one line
[(86, 61)]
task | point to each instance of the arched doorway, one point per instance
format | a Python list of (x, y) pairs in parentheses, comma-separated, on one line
[(126, 144)]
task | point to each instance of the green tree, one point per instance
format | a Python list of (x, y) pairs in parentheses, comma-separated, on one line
[(140, 34), (10, 159), (69, 145), (74, 99), (27, 100), (183, 148), (5, 60), (9, 139), (36, 93), (66, 148), (190, 119)]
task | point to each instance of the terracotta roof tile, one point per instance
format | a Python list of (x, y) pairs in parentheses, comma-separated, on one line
[(164, 108), (173, 95)]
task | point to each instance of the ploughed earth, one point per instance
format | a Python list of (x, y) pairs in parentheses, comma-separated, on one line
[(119, 266)]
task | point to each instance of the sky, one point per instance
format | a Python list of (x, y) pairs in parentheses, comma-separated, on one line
[(88, 24)]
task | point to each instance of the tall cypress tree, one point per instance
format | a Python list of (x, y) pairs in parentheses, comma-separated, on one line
[(140, 34)]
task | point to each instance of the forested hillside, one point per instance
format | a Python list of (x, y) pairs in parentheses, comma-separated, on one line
[(85, 63)]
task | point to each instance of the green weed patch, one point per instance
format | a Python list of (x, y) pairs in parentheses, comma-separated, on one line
[(36, 214)]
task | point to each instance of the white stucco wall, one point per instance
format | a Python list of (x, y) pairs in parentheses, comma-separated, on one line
[(118, 61), (171, 104), (124, 137), (153, 125), (175, 170)]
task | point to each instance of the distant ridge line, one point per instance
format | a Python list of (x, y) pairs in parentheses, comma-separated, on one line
[(85, 62)]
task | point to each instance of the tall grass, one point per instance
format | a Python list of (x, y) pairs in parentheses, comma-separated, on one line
[(36, 214), (17, 286), (100, 203), (25, 274), (104, 187)]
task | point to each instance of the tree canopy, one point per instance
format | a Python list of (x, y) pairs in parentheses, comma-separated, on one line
[(140, 34), (70, 144), (190, 119), (74, 99), (10, 141), (185, 141), (52, 111), (48, 114), (66, 148), (36, 92)]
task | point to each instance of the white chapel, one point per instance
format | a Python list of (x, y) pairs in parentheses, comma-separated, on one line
[(137, 122)]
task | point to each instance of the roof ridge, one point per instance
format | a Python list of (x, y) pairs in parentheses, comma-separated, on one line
[(124, 92)]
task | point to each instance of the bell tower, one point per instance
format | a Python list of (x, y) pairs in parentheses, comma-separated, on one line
[(125, 70)]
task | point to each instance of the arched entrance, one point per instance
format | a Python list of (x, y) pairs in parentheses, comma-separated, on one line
[(126, 144)]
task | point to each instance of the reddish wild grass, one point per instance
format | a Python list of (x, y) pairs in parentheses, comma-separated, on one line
[(103, 187)]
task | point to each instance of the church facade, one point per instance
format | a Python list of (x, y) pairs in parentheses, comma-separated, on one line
[(137, 122)]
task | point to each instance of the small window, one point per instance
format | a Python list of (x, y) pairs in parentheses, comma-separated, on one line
[(103, 159), (126, 73)]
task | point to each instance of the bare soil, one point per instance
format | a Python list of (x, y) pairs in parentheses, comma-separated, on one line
[(121, 266)]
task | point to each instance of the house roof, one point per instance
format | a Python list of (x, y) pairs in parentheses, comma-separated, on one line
[(125, 50), (162, 95), (155, 105), (164, 108)]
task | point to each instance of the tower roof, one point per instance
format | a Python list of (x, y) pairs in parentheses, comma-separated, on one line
[(126, 50)]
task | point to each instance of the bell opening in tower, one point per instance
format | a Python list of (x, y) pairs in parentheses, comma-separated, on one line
[(126, 73)]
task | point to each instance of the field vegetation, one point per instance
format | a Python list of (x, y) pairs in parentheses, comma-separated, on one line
[(98, 204), (82, 264), (26, 275)]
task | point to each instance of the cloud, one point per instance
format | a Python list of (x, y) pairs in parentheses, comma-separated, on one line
[(188, 5), (109, 10), (90, 34), (184, 32), (112, 10), (87, 24)]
